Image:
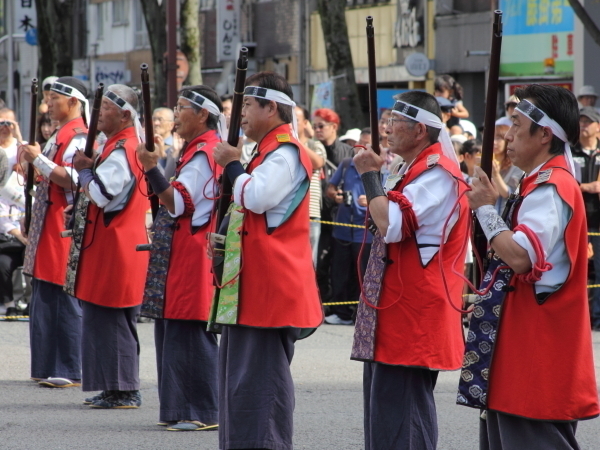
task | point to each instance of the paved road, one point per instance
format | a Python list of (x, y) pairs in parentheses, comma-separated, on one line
[(328, 404)]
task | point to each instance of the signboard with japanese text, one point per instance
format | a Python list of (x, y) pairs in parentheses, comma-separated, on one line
[(538, 38), (109, 72), (25, 17), (228, 29)]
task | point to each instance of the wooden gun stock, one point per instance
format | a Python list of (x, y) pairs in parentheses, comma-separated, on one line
[(31, 170), (373, 113)]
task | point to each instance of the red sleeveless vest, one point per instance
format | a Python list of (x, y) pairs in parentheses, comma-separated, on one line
[(543, 365), (53, 250), (421, 329), (189, 288), (277, 284), (111, 273)]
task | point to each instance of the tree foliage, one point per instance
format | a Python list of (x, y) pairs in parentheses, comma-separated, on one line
[(339, 62)]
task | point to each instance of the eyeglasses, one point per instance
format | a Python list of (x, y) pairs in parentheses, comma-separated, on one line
[(391, 120), (318, 126), (178, 108)]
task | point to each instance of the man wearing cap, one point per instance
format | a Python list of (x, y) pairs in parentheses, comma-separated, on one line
[(55, 317), (276, 301), (586, 154), (407, 326), (186, 353), (109, 274), (534, 320), (587, 97)]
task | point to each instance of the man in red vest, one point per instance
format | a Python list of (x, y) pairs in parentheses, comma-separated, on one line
[(277, 294), (407, 327), (542, 378), (186, 353), (109, 276), (55, 317)]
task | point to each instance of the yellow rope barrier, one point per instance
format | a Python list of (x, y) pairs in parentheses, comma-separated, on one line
[(337, 223)]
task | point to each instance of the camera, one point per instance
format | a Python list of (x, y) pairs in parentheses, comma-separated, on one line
[(347, 198)]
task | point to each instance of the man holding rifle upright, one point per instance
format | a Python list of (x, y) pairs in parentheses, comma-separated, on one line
[(406, 328), (55, 317), (276, 301), (110, 274), (186, 353), (538, 378)]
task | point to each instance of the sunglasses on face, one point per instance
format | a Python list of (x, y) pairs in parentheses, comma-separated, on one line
[(318, 126), (5, 123)]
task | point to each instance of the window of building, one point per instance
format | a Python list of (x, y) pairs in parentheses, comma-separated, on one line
[(141, 32), (100, 21), (207, 5), (119, 12)]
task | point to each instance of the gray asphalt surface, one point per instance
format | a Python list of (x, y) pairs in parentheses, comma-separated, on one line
[(328, 403)]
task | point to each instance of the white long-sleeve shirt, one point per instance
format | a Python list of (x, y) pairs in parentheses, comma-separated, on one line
[(273, 184), (433, 194), (198, 180), (547, 215), (118, 180)]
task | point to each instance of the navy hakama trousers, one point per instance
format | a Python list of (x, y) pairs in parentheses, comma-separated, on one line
[(187, 363), (54, 332), (504, 432), (399, 408), (110, 348), (256, 390)]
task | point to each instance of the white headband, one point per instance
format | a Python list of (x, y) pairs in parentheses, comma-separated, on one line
[(431, 120), (121, 103), (276, 96), (541, 118), (71, 91), (204, 103)]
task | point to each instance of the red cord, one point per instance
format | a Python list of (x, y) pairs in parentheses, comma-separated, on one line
[(541, 266)]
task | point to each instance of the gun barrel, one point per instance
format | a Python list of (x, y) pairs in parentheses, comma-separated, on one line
[(373, 113), (30, 170)]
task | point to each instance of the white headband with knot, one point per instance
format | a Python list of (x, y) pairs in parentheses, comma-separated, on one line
[(71, 91), (205, 103), (276, 96), (124, 105), (428, 118), (541, 118)]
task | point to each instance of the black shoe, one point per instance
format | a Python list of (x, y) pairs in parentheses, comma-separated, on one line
[(12, 311), (96, 398), (120, 400)]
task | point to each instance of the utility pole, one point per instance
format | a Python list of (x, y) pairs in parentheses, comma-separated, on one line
[(10, 94), (171, 53)]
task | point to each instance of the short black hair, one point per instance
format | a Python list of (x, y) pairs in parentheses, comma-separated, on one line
[(305, 112), (272, 80), (560, 105), (212, 121), (427, 102), (366, 130), (226, 97)]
